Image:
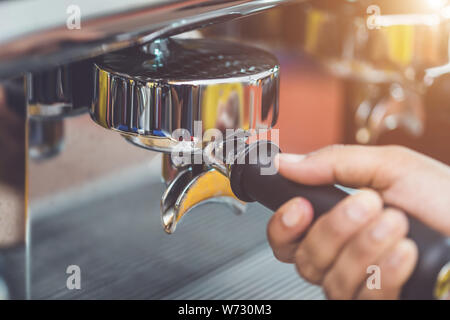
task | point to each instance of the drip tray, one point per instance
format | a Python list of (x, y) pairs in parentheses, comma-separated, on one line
[(117, 241)]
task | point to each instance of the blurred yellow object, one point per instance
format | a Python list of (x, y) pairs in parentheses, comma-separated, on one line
[(442, 289), (314, 22), (103, 82), (209, 185), (400, 43)]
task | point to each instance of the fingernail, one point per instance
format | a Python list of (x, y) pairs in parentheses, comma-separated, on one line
[(381, 230), (290, 157), (293, 215), (396, 257), (356, 213), (359, 209)]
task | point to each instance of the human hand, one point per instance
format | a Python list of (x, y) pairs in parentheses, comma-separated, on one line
[(358, 232)]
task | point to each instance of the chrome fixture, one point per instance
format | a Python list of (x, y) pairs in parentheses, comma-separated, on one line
[(61, 91), (387, 54), (45, 41), (46, 138), (37, 76), (44, 48), (191, 186), (147, 93), (396, 47), (388, 107), (13, 142), (53, 95)]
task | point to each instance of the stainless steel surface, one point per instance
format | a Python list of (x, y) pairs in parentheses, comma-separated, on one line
[(192, 186), (13, 162), (46, 138), (13, 181), (61, 91), (388, 107), (255, 276), (116, 238), (49, 93), (40, 59), (149, 93), (221, 154), (174, 93), (45, 41)]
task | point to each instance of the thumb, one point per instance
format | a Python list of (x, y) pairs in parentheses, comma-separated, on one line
[(404, 179), (349, 165)]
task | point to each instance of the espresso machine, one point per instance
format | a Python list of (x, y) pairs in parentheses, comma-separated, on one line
[(98, 99)]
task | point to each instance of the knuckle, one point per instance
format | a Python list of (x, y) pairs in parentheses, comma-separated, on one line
[(332, 149), (307, 272), (397, 149), (328, 150), (334, 287), (306, 269), (403, 160), (361, 250), (336, 229), (280, 257), (271, 231), (399, 153)]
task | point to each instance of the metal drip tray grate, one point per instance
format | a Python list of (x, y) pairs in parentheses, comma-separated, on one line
[(255, 275), (119, 244)]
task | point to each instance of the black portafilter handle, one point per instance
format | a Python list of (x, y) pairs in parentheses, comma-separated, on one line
[(272, 190)]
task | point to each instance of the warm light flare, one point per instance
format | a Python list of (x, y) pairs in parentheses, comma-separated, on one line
[(436, 4)]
